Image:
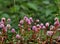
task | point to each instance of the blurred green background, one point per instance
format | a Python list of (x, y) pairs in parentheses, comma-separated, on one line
[(45, 10)]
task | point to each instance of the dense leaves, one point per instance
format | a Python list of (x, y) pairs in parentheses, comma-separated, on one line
[(38, 9)]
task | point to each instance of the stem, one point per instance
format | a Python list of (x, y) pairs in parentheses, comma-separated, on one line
[(51, 40), (1, 42)]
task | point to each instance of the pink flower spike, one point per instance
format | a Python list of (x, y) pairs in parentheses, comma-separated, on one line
[(56, 19), (41, 25), (38, 26), (4, 29), (31, 19), (37, 20), (25, 18), (21, 21), (3, 19), (9, 20), (52, 27), (1, 22), (1, 25), (44, 27), (49, 33), (13, 30), (18, 36), (34, 28), (8, 26), (28, 21), (47, 24), (56, 23)]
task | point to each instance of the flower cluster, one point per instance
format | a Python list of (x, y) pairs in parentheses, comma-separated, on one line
[(34, 30)]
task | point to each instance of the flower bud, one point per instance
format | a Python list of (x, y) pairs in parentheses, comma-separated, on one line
[(37, 20), (8, 26), (8, 20)]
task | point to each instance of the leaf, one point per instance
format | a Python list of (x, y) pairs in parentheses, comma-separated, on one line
[(5, 15), (24, 7), (14, 9), (46, 2), (48, 12), (33, 6)]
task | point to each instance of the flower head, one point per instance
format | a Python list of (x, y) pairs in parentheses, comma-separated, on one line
[(31, 19), (47, 24), (28, 22), (1, 22), (49, 33), (21, 21), (3, 19), (1, 25), (9, 20), (56, 23), (52, 27), (56, 19), (38, 26), (13, 30), (8, 26), (34, 28), (37, 20), (25, 18), (41, 25), (18, 36), (4, 29)]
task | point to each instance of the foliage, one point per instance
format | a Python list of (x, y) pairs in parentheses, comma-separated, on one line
[(38, 9)]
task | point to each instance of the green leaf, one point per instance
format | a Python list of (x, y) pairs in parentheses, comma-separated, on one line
[(46, 2), (48, 12), (33, 6), (14, 9), (5, 15)]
